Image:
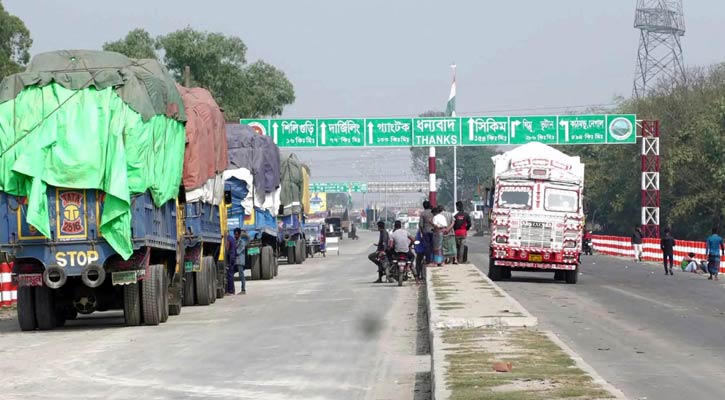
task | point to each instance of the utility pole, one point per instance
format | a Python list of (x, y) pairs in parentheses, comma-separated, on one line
[(187, 76)]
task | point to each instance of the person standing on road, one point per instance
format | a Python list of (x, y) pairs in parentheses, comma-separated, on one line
[(461, 225), (637, 243), (439, 226), (419, 256), (426, 228), (241, 255), (382, 248), (231, 257), (715, 250), (667, 245)]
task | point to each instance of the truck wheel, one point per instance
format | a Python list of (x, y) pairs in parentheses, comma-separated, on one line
[(291, 255), (212, 279), (299, 252), (266, 263), (275, 263), (177, 285), (559, 275), (506, 273), (201, 281), (494, 271), (303, 249), (45, 308), (164, 295), (572, 276), (131, 305), (151, 295), (256, 261), (188, 290), (26, 308), (221, 279)]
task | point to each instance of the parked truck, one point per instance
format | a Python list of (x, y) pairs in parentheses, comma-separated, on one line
[(205, 159), (252, 182), (92, 148), (536, 213), (295, 178)]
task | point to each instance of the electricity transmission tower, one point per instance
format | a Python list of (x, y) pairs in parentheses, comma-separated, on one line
[(661, 24)]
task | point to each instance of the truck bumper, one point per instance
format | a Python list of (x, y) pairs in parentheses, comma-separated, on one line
[(535, 266)]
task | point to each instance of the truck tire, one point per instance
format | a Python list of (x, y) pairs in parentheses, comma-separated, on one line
[(256, 267), (559, 275), (212, 279), (164, 295), (506, 273), (221, 279), (201, 284), (151, 293), (303, 249), (132, 304), (187, 294), (267, 268), (299, 252), (178, 286), (572, 276), (45, 308), (494, 271), (26, 308), (291, 255), (275, 263)]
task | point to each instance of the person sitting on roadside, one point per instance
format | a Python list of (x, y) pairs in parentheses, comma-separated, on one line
[(689, 263)]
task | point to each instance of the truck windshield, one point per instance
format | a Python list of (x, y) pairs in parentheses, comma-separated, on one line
[(515, 197), (561, 200)]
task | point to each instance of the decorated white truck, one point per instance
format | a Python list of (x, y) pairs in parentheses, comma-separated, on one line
[(537, 215)]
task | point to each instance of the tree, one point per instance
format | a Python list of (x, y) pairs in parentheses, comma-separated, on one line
[(137, 44), (15, 43), (217, 62), (475, 169), (692, 145)]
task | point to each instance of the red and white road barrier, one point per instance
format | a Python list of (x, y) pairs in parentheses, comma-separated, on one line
[(622, 247), (8, 290)]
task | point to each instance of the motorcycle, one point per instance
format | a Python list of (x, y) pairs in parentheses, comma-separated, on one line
[(587, 247), (401, 269)]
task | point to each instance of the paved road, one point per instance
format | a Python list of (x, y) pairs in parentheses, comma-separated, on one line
[(320, 330), (651, 335)]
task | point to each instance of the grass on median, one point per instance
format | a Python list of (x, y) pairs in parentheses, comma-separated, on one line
[(541, 370)]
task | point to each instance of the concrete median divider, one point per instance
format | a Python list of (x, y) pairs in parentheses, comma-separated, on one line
[(475, 325)]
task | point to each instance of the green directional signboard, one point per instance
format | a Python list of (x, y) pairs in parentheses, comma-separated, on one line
[(389, 132), (436, 131), (341, 132), (449, 131), (339, 187), (485, 131)]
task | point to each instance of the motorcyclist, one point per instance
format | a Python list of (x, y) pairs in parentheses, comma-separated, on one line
[(382, 248), (587, 241), (401, 241)]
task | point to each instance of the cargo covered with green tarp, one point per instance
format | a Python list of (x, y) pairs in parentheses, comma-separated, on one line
[(91, 120)]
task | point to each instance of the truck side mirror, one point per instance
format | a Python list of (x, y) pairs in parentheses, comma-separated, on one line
[(227, 197)]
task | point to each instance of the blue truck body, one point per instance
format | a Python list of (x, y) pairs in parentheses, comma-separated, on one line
[(75, 240)]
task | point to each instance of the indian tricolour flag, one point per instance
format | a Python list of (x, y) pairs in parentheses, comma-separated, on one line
[(451, 106)]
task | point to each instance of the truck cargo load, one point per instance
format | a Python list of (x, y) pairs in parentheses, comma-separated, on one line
[(92, 148), (537, 215)]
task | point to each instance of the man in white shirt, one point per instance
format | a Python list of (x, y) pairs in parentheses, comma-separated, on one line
[(400, 239)]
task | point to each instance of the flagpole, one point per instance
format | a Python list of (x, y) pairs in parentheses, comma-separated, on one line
[(455, 148)]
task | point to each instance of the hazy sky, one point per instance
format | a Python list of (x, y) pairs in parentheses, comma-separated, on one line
[(392, 57)]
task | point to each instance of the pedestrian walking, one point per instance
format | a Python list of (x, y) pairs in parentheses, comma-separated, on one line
[(231, 257), (715, 250), (637, 243), (241, 255), (667, 245), (461, 225)]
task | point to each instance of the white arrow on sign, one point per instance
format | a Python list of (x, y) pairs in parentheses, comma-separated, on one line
[(323, 133), (514, 124), (370, 131), (470, 129), (565, 124), (274, 131)]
